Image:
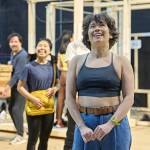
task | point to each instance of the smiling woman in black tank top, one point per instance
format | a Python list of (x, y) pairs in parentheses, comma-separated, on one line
[(105, 86)]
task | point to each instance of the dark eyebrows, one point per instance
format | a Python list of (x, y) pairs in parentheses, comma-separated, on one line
[(102, 22), (92, 23)]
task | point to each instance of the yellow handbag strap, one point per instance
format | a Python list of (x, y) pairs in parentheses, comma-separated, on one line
[(54, 75)]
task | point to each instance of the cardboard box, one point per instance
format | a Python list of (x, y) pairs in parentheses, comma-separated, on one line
[(5, 76)]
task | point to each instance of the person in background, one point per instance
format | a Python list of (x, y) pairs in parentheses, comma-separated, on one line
[(62, 66), (100, 77), (40, 78), (19, 58), (74, 48)]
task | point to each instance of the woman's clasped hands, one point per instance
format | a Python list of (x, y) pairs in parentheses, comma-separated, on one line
[(100, 131)]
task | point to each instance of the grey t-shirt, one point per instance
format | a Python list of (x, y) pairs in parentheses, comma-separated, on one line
[(18, 62)]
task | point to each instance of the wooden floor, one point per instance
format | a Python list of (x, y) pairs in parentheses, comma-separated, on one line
[(140, 138), (56, 132), (53, 143)]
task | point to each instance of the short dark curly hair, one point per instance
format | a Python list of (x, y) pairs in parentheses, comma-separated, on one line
[(10, 36), (100, 18)]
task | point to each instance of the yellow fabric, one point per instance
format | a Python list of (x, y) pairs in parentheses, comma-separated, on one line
[(64, 63), (48, 107)]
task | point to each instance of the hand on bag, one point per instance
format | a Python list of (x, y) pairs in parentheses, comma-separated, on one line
[(86, 133), (37, 102), (52, 91), (102, 130)]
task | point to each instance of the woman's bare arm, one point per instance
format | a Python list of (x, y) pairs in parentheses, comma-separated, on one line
[(21, 89), (127, 78), (71, 92)]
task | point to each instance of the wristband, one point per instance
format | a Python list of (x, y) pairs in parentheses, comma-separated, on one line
[(80, 126), (115, 121)]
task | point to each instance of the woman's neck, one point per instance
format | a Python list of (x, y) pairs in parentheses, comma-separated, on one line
[(100, 51), (41, 61)]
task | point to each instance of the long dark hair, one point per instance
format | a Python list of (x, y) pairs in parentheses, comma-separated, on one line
[(100, 18), (65, 40)]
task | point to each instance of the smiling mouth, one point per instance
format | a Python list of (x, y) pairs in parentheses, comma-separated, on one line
[(98, 35)]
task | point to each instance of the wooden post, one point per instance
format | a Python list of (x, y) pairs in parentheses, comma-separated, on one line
[(96, 6), (136, 66), (50, 24), (127, 35), (126, 29), (78, 19), (148, 100), (31, 27)]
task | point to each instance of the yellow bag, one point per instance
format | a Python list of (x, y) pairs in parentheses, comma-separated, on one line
[(48, 107)]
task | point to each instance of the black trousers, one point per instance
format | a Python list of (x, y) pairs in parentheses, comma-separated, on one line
[(39, 126), (70, 133), (16, 109)]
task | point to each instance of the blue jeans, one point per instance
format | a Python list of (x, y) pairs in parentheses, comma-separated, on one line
[(118, 139)]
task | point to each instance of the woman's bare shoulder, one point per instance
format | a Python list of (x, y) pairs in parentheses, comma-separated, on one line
[(121, 59), (124, 60), (78, 58)]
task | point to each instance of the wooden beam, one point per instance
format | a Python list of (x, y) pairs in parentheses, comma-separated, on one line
[(31, 27), (50, 24), (126, 29), (78, 19), (41, 1)]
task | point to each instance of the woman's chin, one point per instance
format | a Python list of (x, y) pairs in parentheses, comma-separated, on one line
[(41, 56)]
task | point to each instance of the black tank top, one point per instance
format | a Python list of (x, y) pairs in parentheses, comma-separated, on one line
[(98, 82)]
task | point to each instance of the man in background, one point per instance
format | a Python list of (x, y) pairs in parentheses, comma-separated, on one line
[(19, 58)]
